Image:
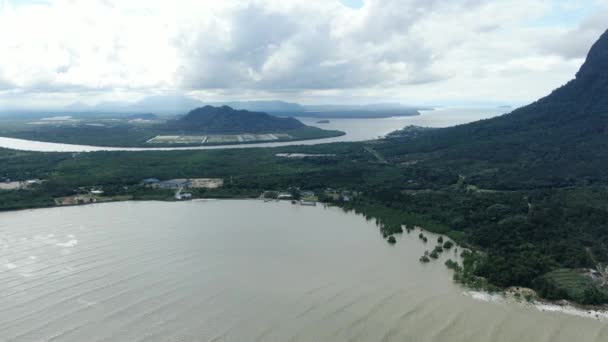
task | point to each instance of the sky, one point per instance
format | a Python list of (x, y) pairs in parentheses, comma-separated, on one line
[(418, 52)]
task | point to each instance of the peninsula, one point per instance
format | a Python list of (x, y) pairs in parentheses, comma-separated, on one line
[(201, 126)]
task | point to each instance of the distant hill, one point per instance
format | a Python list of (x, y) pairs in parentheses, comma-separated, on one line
[(159, 104), (364, 111), (280, 108), (264, 106), (176, 104), (143, 116), (559, 140), (225, 119), (367, 111)]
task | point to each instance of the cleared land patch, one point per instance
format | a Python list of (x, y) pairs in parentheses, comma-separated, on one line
[(581, 285), (217, 139)]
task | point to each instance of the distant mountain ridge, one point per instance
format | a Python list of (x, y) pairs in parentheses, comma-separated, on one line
[(263, 106), (178, 104), (143, 116), (158, 104), (210, 119)]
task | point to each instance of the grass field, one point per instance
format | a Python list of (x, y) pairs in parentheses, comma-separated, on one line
[(575, 284), (569, 279)]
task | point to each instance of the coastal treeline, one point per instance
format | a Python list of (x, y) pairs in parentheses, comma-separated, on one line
[(524, 234)]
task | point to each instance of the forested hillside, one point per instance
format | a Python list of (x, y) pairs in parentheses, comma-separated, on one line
[(224, 119), (560, 140)]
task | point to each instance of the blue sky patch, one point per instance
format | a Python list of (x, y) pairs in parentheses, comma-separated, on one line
[(566, 13), (353, 3)]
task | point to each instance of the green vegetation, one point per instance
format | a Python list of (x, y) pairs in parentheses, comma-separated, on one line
[(466, 274), (213, 120), (14, 200), (99, 132), (453, 265), (570, 284), (438, 249)]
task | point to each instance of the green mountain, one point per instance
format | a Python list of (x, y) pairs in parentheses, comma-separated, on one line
[(558, 140), (225, 119)]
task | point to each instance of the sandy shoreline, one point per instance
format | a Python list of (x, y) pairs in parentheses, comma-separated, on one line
[(562, 306)]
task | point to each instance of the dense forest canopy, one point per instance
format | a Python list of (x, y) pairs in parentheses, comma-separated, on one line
[(225, 119)]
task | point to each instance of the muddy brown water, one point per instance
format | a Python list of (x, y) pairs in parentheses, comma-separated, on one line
[(241, 271)]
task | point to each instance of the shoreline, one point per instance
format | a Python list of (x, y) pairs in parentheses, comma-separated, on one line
[(160, 147), (598, 312), (563, 306)]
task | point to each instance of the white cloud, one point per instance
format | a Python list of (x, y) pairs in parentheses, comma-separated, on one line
[(575, 42), (78, 44), (408, 50)]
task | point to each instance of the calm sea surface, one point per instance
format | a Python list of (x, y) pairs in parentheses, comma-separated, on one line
[(241, 271)]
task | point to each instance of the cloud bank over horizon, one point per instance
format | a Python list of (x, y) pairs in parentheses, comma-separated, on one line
[(412, 51)]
